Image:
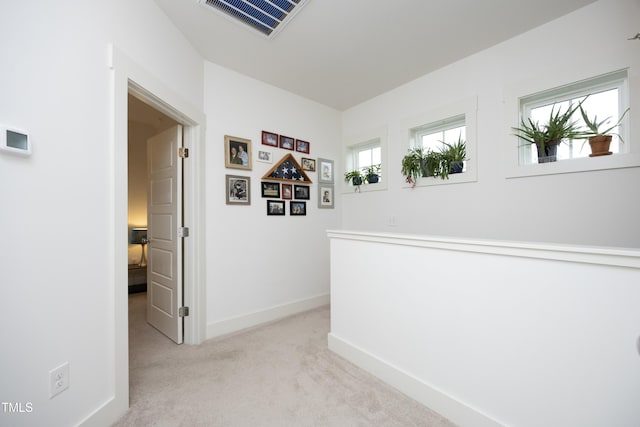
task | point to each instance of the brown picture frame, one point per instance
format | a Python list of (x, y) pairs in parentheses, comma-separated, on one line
[(287, 191), (270, 138), (303, 146), (287, 143), (234, 148), (308, 164)]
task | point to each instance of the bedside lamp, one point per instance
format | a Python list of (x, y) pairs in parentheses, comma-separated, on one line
[(138, 236)]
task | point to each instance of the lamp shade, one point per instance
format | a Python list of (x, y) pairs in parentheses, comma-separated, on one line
[(138, 236)]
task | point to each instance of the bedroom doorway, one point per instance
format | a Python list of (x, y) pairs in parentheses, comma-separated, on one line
[(145, 124)]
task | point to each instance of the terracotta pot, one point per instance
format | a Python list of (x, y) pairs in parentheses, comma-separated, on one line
[(600, 145)]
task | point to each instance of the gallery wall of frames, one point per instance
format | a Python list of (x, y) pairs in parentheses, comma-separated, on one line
[(287, 187)]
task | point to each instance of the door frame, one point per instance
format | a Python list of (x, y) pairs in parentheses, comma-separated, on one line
[(127, 77)]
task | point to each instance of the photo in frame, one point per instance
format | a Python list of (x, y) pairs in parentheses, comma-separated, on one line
[(308, 164), (265, 156), (269, 138), (302, 146), (286, 142), (287, 191), (301, 192), (238, 190), (297, 208), (325, 169), (270, 189), (237, 152), (275, 207), (325, 196)]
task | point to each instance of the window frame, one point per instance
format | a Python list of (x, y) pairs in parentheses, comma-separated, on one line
[(534, 93), (353, 145), (611, 81), (440, 118)]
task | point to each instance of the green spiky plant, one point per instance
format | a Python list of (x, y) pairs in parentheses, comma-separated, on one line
[(595, 128), (558, 127)]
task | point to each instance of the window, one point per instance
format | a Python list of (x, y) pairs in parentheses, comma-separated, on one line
[(431, 136), (603, 96), (364, 150), (368, 155), (448, 123)]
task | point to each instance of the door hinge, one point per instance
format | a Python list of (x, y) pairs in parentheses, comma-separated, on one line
[(183, 231), (183, 311), (183, 152)]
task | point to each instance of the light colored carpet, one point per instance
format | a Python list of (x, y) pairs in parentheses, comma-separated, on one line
[(279, 374)]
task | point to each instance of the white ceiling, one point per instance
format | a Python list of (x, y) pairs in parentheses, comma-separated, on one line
[(343, 52)]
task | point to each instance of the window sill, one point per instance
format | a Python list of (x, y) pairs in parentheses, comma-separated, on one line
[(583, 164), (364, 188), (455, 178)]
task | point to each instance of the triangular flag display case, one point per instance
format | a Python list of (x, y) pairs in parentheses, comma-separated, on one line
[(287, 169)]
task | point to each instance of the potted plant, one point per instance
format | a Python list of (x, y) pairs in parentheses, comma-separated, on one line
[(548, 136), (355, 177), (372, 174), (412, 165), (599, 137), (454, 156)]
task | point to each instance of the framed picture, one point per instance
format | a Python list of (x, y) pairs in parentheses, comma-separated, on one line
[(265, 156), (269, 138), (297, 208), (286, 142), (325, 196), (302, 146), (237, 152), (287, 191), (238, 190), (275, 207), (325, 169), (271, 189), (301, 192), (308, 164)]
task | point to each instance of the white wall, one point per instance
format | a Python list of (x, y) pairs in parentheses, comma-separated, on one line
[(56, 271), (260, 266), (555, 208), (138, 135), (492, 334)]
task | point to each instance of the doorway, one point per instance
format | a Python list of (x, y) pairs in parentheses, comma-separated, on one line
[(144, 124), (128, 77)]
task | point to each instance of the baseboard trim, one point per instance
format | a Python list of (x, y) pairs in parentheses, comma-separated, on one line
[(107, 414), (234, 324), (442, 403)]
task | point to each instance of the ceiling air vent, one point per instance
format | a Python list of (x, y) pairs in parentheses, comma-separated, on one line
[(265, 16)]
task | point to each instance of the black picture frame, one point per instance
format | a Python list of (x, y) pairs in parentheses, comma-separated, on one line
[(297, 208), (275, 207), (270, 189), (301, 192)]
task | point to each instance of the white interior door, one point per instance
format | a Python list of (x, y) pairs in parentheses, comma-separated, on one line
[(164, 212)]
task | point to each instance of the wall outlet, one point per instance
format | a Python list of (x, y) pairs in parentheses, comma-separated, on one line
[(58, 379)]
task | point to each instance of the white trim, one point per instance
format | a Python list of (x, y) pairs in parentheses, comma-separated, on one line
[(620, 257), (234, 324), (437, 400), (127, 75)]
